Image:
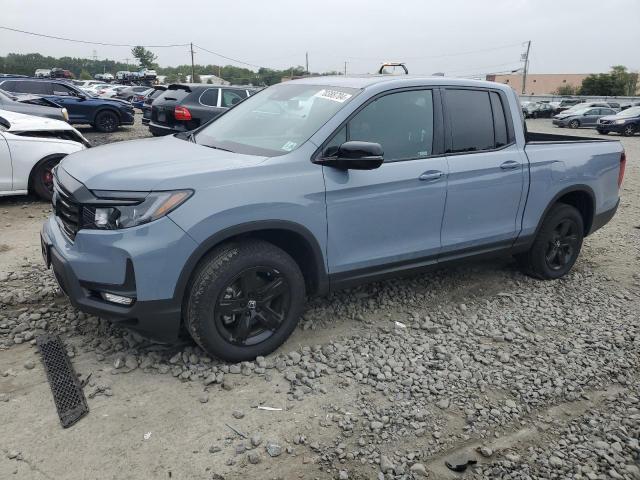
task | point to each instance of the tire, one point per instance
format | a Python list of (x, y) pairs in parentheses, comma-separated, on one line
[(42, 178), (540, 261), (106, 121), (234, 278), (574, 124), (628, 131), (603, 132)]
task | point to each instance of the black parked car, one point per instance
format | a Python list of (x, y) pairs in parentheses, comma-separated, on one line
[(146, 105), (186, 106), (104, 114), (626, 122)]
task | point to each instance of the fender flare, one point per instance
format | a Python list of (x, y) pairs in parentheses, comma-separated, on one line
[(322, 278)]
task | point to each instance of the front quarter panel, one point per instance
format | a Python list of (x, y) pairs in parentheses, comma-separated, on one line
[(287, 188)]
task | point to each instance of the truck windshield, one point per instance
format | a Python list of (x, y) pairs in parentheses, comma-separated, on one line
[(276, 120)]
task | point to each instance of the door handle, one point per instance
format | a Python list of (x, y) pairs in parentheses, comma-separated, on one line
[(431, 175), (510, 165)]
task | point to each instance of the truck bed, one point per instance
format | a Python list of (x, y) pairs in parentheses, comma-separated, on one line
[(538, 138)]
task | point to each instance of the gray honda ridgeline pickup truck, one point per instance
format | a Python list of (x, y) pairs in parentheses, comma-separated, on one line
[(312, 185)]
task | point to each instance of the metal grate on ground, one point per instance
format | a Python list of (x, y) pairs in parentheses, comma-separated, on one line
[(68, 395)]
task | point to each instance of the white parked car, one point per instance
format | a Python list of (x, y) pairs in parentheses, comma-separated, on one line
[(30, 147)]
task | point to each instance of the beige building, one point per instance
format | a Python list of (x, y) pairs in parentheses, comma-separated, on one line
[(540, 83)]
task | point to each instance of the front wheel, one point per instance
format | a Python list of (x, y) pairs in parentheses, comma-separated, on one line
[(603, 132), (574, 124), (106, 122), (244, 300), (557, 244), (628, 131)]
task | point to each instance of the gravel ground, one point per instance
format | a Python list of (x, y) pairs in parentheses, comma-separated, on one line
[(478, 366)]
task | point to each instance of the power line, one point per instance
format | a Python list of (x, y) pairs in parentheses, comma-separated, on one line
[(228, 58), (444, 55), (90, 42)]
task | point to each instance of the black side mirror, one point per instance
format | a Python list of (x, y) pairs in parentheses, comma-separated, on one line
[(355, 156)]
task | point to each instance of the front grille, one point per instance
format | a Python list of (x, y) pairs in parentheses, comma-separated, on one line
[(67, 211), (605, 122)]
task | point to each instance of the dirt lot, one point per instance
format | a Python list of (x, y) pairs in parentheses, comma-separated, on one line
[(530, 379)]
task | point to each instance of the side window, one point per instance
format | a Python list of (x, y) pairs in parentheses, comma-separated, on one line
[(9, 86), (499, 120), (59, 89), (232, 97), (401, 122), (209, 97), (37, 88), (471, 120)]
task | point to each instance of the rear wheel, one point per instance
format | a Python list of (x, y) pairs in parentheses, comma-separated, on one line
[(557, 244), (574, 124), (629, 130), (245, 299), (42, 179), (106, 121)]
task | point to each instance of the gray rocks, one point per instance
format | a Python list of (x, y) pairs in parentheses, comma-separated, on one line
[(419, 470), (237, 414), (254, 457), (29, 364), (256, 440), (385, 464), (273, 448)]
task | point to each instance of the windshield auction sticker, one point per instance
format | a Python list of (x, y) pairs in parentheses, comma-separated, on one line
[(333, 95)]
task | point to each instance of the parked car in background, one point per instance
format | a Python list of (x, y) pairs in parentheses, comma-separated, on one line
[(583, 105), (615, 105), (30, 147), (61, 73), (32, 105), (86, 84), (584, 117), (138, 99), (127, 93), (566, 103), (186, 106), (42, 73), (312, 185), (626, 122), (105, 115), (537, 110), (148, 101)]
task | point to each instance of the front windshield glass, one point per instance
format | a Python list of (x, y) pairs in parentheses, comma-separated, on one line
[(629, 112), (277, 120)]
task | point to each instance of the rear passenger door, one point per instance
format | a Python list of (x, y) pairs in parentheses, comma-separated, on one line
[(590, 117), (389, 217), (485, 183)]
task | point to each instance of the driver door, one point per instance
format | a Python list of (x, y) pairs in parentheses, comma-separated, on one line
[(68, 98), (390, 217)]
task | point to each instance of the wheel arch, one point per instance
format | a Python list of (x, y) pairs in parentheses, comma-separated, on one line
[(293, 238), (35, 167), (579, 196)]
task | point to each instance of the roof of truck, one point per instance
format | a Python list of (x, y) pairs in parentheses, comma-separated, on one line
[(363, 81)]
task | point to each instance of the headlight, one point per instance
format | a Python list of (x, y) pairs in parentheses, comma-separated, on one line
[(153, 207), (65, 114), (619, 122)]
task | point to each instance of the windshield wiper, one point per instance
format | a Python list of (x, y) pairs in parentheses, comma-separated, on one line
[(219, 148)]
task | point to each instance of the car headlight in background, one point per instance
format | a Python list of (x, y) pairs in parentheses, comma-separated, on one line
[(153, 207), (619, 122)]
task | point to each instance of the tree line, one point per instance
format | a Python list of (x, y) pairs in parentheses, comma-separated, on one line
[(83, 68), (619, 82)]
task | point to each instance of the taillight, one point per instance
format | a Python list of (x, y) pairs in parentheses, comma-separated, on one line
[(623, 164), (182, 113)]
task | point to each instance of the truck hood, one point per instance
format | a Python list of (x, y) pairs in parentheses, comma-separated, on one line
[(161, 163)]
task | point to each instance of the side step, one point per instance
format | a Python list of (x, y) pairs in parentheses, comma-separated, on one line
[(65, 386)]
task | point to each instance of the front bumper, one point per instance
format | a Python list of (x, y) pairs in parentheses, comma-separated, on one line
[(119, 262), (127, 117), (559, 123), (610, 127)]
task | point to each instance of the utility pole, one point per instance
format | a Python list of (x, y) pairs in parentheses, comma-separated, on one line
[(306, 60), (193, 68), (345, 69), (525, 58)]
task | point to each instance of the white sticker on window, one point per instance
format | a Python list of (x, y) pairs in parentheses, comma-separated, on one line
[(334, 95), (289, 146)]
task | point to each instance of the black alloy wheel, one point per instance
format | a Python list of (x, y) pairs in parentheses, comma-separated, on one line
[(562, 244), (629, 130), (253, 306), (107, 122)]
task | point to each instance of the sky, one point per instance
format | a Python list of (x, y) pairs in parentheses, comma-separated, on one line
[(456, 37)]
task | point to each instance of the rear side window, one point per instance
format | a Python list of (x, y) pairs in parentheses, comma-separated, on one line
[(232, 97), (59, 89), (8, 86), (471, 120), (209, 97), (37, 88)]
